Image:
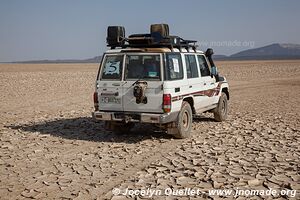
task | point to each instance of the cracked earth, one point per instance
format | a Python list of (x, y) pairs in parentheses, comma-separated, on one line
[(51, 148)]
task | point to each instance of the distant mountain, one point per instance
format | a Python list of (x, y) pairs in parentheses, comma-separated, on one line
[(219, 57), (273, 51), (95, 59)]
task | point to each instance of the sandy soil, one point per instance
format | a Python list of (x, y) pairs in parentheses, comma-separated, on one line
[(51, 148)]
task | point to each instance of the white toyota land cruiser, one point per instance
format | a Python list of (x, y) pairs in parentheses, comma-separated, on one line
[(157, 78)]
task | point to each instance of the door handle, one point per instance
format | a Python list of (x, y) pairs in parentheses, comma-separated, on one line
[(116, 84), (190, 86), (204, 84), (212, 83)]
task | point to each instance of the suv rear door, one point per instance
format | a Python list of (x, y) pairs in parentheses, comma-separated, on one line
[(109, 83), (143, 67)]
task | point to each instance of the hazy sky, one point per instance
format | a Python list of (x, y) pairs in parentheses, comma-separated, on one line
[(61, 29)]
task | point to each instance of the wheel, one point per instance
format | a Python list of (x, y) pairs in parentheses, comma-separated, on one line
[(221, 111), (118, 127), (184, 122)]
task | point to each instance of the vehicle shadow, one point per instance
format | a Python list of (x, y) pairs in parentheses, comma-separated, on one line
[(86, 128), (203, 119)]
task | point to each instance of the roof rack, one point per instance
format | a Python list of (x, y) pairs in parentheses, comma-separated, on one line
[(159, 37)]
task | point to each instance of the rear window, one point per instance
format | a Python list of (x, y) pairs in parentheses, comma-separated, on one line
[(142, 67), (112, 67), (173, 70)]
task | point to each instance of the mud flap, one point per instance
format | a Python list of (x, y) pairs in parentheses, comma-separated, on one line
[(172, 128)]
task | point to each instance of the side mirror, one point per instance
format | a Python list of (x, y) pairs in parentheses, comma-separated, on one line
[(214, 71)]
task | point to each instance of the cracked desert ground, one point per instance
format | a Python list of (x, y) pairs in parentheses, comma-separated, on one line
[(51, 148)]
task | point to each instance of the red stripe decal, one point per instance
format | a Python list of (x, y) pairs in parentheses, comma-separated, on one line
[(209, 93)]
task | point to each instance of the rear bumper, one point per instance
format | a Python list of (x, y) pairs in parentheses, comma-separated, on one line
[(136, 117)]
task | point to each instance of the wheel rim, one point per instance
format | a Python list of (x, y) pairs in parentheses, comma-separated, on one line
[(185, 120), (224, 108)]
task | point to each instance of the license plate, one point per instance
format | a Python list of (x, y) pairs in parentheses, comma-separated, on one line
[(111, 100)]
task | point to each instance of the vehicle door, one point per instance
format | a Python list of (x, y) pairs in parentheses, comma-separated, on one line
[(208, 82), (175, 82), (195, 81), (143, 67), (109, 83)]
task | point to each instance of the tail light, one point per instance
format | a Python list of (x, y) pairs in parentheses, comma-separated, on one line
[(167, 101), (96, 102)]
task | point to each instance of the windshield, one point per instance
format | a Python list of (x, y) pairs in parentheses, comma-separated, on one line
[(142, 67)]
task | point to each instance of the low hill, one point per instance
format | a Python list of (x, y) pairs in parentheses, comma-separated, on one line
[(273, 51), (95, 59)]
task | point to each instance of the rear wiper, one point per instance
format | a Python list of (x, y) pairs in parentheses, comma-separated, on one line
[(139, 79)]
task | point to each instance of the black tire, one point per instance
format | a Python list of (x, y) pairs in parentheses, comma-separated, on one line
[(118, 127), (221, 111), (184, 121)]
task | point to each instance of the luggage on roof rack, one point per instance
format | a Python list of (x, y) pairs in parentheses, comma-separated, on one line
[(159, 37), (140, 39), (115, 36), (163, 29)]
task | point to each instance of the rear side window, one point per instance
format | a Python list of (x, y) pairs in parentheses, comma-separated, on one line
[(112, 67), (204, 69), (173, 70), (191, 66)]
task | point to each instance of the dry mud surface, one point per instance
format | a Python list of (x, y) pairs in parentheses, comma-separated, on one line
[(52, 149)]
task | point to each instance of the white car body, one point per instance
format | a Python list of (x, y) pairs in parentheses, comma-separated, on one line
[(116, 102)]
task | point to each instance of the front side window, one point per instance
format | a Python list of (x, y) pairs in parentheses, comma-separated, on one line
[(112, 67), (191, 66), (204, 69), (173, 70), (143, 67)]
